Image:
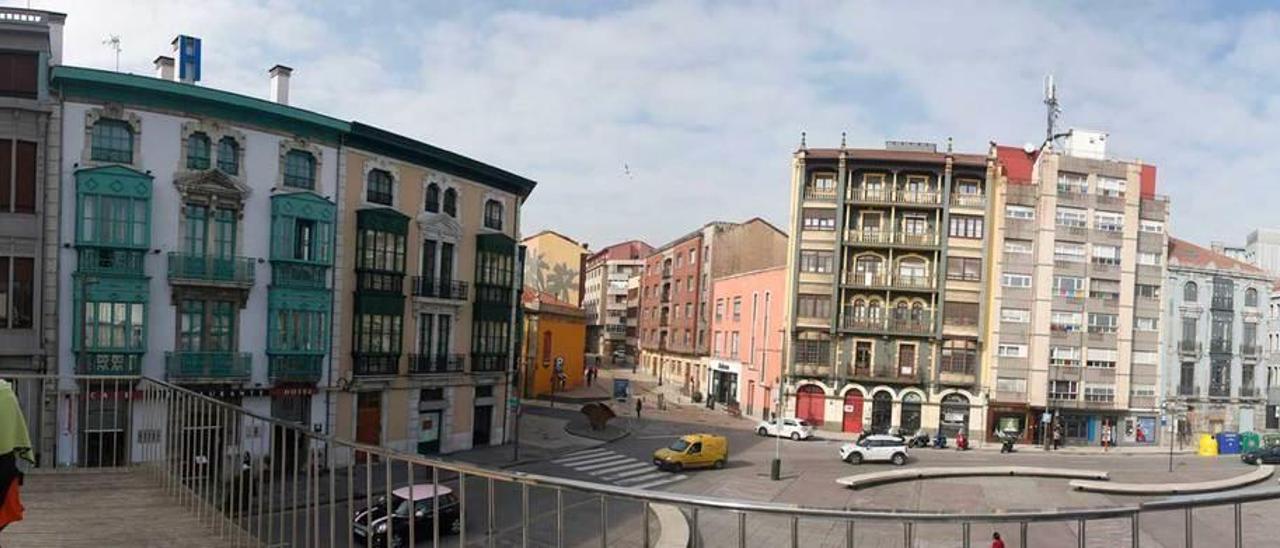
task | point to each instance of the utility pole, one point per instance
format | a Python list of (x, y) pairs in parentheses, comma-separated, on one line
[(775, 466)]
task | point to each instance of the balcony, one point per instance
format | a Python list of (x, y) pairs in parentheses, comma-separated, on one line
[(375, 364), (380, 282), (302, 368), (865, 236), (1250, 352), (100, 260), (813, 194), (108, 363), (885, 371), (1189, 348), (1111, 203), (206, 269), (1187, 389), (911, 323), (1250, 392), (438, 289), (921, 197), (1220, 346), (489, 362), (298, 274), (440, 364), (872, 195), (978, 201), (1219, 391), (1220, 302), (185, 366)]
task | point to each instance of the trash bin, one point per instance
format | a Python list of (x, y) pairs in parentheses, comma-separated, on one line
[(1208, 446), (1228, 443), (1249, 441)]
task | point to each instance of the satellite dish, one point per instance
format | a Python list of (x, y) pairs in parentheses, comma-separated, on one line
[(1028, 148)]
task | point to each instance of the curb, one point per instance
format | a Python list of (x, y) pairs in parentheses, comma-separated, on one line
[(673, 526), (859, 481), (1262, 473)]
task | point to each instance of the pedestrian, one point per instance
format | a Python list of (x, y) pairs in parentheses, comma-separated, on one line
[(15, 443), (639, 406), (995, 541), (1057, 437), (1106, 436)]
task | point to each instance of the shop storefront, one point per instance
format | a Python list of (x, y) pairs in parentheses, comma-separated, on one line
[(1013, 417), (881, 413), (912, 405), (723, 381), (955, 415)]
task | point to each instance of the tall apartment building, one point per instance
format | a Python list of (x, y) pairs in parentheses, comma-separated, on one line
[(676, 292), (633, 317), (1079, 257), (1262, 249), (885, 295), (30, 154), (605, 298), (1271, 358), (1217, 314)]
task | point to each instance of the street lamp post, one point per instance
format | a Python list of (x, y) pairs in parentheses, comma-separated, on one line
[(775, 466)]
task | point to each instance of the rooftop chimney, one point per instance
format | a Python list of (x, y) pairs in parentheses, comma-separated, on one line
[(164, 67), (186, 49), (280, 83)]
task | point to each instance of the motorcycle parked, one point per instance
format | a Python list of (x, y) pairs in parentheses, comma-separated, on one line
[(940, 441), (1007, 440), (962, 441), (920, 439)]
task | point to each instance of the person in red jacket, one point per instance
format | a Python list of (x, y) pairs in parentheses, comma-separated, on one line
[(995, 541)]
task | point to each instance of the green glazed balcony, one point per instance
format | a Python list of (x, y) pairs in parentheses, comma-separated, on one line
[(191, 269), (303, 368), (208, 366)]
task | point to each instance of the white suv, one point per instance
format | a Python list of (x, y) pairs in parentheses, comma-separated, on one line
[(876, 448), (795, 429)]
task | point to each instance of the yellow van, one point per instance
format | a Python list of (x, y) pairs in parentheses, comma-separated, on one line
[(693, 451)]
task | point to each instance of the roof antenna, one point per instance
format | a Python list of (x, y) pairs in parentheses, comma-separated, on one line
[(803, 146), (948, 145), (1052, 111), (841, 140), (114, 43)]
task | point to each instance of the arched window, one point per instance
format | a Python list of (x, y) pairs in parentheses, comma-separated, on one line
[(433, 198), (229, 156), (493, 214), (1251, 297), (377, 188), (1190, 293), (859, 308), (917, 311), (873, 311), (197, 151), (451, 202), (112, 141)]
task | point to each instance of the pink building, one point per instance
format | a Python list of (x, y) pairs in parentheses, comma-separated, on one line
[(746, 340)]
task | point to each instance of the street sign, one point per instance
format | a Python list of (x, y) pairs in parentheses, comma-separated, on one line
[(621, 387), (559, 364), (513, 401)]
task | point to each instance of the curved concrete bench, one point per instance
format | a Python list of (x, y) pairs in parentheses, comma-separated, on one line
[(673, 527), (910, 474), (1263, 472)]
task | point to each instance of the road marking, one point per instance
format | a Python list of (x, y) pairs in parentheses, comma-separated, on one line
[(638, 479), (656, 483), (588, 458), (603, 464), (628, 474), (629, 466), (579, 454)]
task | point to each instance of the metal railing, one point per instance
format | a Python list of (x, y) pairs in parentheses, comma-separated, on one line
[(208, 366), (298, 274), (439, 289), (375, 363), (185, 267), (969, 200), (439, 364), (257, 480)]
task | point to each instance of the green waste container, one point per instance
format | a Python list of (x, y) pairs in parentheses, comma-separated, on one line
[(1250, 441)]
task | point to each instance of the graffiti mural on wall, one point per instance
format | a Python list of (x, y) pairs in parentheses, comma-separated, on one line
[(556, 278)]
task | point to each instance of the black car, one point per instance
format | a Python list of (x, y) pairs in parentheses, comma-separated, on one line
[(1264, 455), (373, 520)]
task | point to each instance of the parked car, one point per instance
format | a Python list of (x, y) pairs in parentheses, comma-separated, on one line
[(795, 429), (1262, 455), (693, 451), (876, 448), (373, 520)]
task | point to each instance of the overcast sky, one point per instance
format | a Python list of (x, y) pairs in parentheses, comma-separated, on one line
[(645, 120)]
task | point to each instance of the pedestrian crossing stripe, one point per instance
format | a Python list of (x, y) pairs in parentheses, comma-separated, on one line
[(628, 466), (658, 482), (603, 464), (585, 458), (628, 473), (582, 454), (640, 479)]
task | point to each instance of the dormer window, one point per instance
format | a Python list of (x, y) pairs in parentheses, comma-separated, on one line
[(229, 156), (198, 151), (112, 141)]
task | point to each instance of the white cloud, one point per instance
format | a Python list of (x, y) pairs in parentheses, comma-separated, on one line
[(705, 101)]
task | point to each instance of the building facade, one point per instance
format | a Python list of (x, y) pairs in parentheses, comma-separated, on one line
[(1262, 249), (426, 337), (30, 157), (1216, 311), (555, 265), (885, 295), (1271, 359), (605, 299), (675, 295), (1079, 260), (744, 369), (555, 332)]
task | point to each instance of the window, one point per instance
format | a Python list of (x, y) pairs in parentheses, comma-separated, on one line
[(1190, 293), (378, 334), (733, 345), (1072, 183), (451, 202), (719, 309), (814, 306), (964, 268), (1017, 246), (206, 326), (1012, 351), (198, 151), (1109, 222), (1107, 290), (1145, 324), (1068, 252), (114, 220), (19, 74), (298, 331), (957, 313), (112, 141), (17, 275), (1065, 322), (959, 356), (1111, 187), (824, 183), (1007, 384), (719, 343), (812, 351), (861, 355), (1146, 291), (1106, 255), (693, 256), (378, 187), (1071, 287), (1019, 212), (1064, 356), (1143, 391), (1015, 315), (1072, 217), (300, 170), (688, 284), (229, 156), (816, 262), (1149, 259), (819, 219), (1145, 358), (1016, 280), (1103, 323), (1063, 390), (965, 226), (432, 204), (17, 175), (737, 309), (688, 310), (493, 214), (1251, 298), (114, 326), (1102, 358), (380, 251), (1155, 227), (1099, 393)]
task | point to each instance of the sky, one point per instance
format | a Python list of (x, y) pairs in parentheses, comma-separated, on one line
[(645, 120)]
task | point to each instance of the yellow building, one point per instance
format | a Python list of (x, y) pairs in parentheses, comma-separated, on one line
[(555, 333), (554, 264)]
